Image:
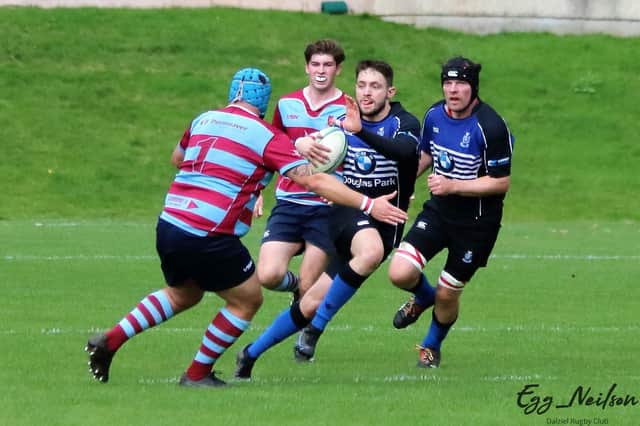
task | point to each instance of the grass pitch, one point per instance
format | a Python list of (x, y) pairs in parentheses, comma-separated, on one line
[(545, 312), (92, 103)]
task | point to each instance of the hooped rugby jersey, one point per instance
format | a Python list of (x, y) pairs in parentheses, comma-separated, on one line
[(467, 148), (230, 155), (295, 115), (369, 172)]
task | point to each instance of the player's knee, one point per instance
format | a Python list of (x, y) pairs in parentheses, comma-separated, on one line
[(369, 259), (406, 266), (400, 276), (449, 291), (309, 305), (270, 276), (184, 297)]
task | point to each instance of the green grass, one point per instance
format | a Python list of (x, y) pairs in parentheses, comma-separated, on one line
[(92, 103), (556, 308)]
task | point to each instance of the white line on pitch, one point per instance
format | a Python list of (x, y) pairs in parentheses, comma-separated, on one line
[(98, 257)]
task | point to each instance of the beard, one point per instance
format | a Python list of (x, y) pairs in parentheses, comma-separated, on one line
[(377, 108)]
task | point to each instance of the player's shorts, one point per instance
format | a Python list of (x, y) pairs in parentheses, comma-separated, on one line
[(296, 223), (344, 223), (215, 263), (469, 244)]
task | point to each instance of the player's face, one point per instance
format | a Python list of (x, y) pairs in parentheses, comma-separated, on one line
[(373, 94), (322, 71), (457, 95)]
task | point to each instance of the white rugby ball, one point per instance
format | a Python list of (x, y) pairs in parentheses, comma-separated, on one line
[(333, 138)]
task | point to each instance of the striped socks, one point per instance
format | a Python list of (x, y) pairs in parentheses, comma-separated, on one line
[(223, 331), (151, 311)]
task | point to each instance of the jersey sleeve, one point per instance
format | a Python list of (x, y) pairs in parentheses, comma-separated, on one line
[(184, 141), (277, 118), (426, 135), (281, 155), (499, 143), (403, 146)]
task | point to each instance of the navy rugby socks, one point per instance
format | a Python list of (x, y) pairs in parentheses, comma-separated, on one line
[(425, 294), (437, 332)]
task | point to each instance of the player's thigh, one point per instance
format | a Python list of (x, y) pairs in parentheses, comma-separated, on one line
[(245, 299)]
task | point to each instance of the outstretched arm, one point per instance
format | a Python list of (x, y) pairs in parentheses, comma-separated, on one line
[(333, 190)]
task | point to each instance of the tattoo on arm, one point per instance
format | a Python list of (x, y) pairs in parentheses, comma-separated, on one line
[(301, 170)]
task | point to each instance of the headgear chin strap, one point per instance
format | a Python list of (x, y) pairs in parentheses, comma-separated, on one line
[(460, 68), (252, 86)]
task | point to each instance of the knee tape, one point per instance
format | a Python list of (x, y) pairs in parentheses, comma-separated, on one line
[(449, 281), (410, 253)]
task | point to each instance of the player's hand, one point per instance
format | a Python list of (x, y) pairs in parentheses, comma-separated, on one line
[(257, 207), (440, 185), (351, 122), (386, 212), (312, 150)]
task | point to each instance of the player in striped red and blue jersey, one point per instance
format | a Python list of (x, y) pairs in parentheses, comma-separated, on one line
[(299, 220), (224, 158)]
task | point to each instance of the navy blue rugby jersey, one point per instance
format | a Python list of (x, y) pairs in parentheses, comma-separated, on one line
[(467, 148), (368, 171)]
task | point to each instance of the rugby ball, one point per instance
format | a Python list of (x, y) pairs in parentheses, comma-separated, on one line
[(333, 138)]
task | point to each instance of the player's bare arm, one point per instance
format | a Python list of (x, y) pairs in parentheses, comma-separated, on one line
[(425, 162), (333, 190)]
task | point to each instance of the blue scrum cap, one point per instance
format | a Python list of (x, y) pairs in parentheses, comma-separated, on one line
[(460, 68), (252, 86)]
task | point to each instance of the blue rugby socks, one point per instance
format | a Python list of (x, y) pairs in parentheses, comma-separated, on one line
[(344, 286), (286, 324), (425, 294), (437, 333)]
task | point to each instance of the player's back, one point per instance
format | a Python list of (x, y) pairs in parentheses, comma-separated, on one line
[(224, 168)]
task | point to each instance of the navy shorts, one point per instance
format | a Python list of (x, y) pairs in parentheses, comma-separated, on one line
[(344, 223), (296, 223), (469, 244), (215, 263)]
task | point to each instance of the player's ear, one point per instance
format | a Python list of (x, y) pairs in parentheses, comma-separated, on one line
[(391, 92)]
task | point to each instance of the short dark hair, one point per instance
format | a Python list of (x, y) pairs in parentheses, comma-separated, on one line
[(325, 47), (381, 66)]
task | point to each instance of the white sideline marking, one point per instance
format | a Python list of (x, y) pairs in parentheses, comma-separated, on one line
[(31, 258), (564, 257), (53, 258), (277, 380), (368, 328)]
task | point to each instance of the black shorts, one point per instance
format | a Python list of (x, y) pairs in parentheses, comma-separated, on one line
[(469, 244), (214, 263), (344, 223), (296, 223)]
